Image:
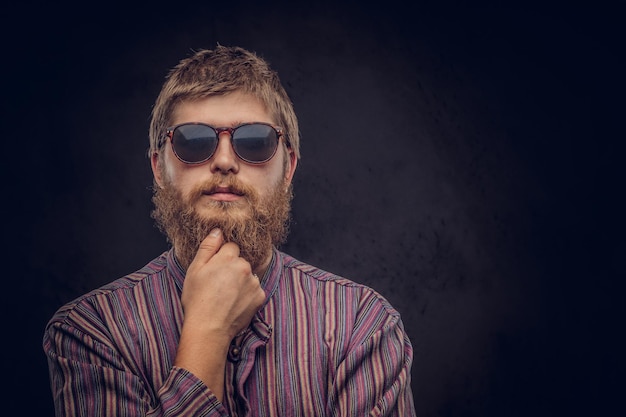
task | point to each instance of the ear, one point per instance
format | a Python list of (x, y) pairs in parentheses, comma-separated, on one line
[(157, 172), (292, 163)]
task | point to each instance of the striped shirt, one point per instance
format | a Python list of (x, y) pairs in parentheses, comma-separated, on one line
[(321, 345)]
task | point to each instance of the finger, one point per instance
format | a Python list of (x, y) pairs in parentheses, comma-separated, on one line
[(229, 250), (209, 246)]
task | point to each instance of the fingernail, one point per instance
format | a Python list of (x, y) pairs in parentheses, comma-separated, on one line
[(215, 232)]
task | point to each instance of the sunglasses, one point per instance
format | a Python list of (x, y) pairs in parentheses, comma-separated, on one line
[(195, 143)]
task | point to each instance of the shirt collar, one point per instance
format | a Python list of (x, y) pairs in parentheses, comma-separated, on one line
[(175, 270)]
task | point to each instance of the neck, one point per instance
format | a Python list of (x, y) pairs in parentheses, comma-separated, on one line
[(261, 269)]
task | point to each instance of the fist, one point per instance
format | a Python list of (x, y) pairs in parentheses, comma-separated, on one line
[(220, 293)]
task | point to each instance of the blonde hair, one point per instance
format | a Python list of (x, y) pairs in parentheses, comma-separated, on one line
[(215, 72)]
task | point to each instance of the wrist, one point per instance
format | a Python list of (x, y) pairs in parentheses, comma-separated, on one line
[(203, 329)]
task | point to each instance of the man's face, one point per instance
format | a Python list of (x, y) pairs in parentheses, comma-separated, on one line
[(249, 202)]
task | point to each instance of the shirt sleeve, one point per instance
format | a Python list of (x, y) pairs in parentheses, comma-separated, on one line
[(374, 378), (89, 378)]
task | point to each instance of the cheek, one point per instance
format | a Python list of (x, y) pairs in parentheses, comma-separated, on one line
[(167, 174), (279, 167), (174, 176)]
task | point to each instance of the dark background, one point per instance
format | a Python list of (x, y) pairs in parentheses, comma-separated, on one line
[(466, 162)]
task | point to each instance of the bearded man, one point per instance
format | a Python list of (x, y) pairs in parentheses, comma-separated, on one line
[(223, 323)]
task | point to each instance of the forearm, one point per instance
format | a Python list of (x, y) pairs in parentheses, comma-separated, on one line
[(89, 378), (204, 355)]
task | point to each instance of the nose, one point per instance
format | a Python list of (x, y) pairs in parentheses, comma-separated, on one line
[(224, 159)]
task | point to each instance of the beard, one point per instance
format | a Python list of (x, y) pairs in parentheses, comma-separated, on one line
[(255, 224)]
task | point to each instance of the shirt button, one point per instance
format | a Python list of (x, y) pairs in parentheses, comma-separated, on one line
[(234, 353)]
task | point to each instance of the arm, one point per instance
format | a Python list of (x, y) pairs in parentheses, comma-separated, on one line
[(374, 378), (220, 297), (93, 374), (89, 378)]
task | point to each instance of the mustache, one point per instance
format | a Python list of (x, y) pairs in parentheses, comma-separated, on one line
[(219, 184)]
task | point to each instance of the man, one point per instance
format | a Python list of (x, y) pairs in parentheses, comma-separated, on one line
[(224, 324)]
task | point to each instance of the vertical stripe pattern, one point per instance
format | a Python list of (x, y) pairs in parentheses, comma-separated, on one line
[(321, 345)]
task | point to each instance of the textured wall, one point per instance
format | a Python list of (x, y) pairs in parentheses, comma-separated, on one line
[(463, 162)]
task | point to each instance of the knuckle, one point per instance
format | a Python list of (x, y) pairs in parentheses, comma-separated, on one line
[(231, 248), (245, 267), (205, 246)]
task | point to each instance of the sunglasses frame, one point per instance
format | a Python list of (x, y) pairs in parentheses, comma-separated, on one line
[(169, 132)]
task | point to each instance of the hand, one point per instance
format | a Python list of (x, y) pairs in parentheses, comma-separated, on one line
[(220, 297), (220, 294)]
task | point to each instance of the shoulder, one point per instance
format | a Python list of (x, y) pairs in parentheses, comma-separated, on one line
[(352, 312), (365, 297), (111, 296)]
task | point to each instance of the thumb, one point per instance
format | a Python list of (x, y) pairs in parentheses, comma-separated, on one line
[(209, 246)]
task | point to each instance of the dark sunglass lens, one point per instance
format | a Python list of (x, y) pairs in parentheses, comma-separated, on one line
[(255, 142), (194, 143)]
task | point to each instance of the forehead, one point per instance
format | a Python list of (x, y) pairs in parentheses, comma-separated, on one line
[(224, 110)]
